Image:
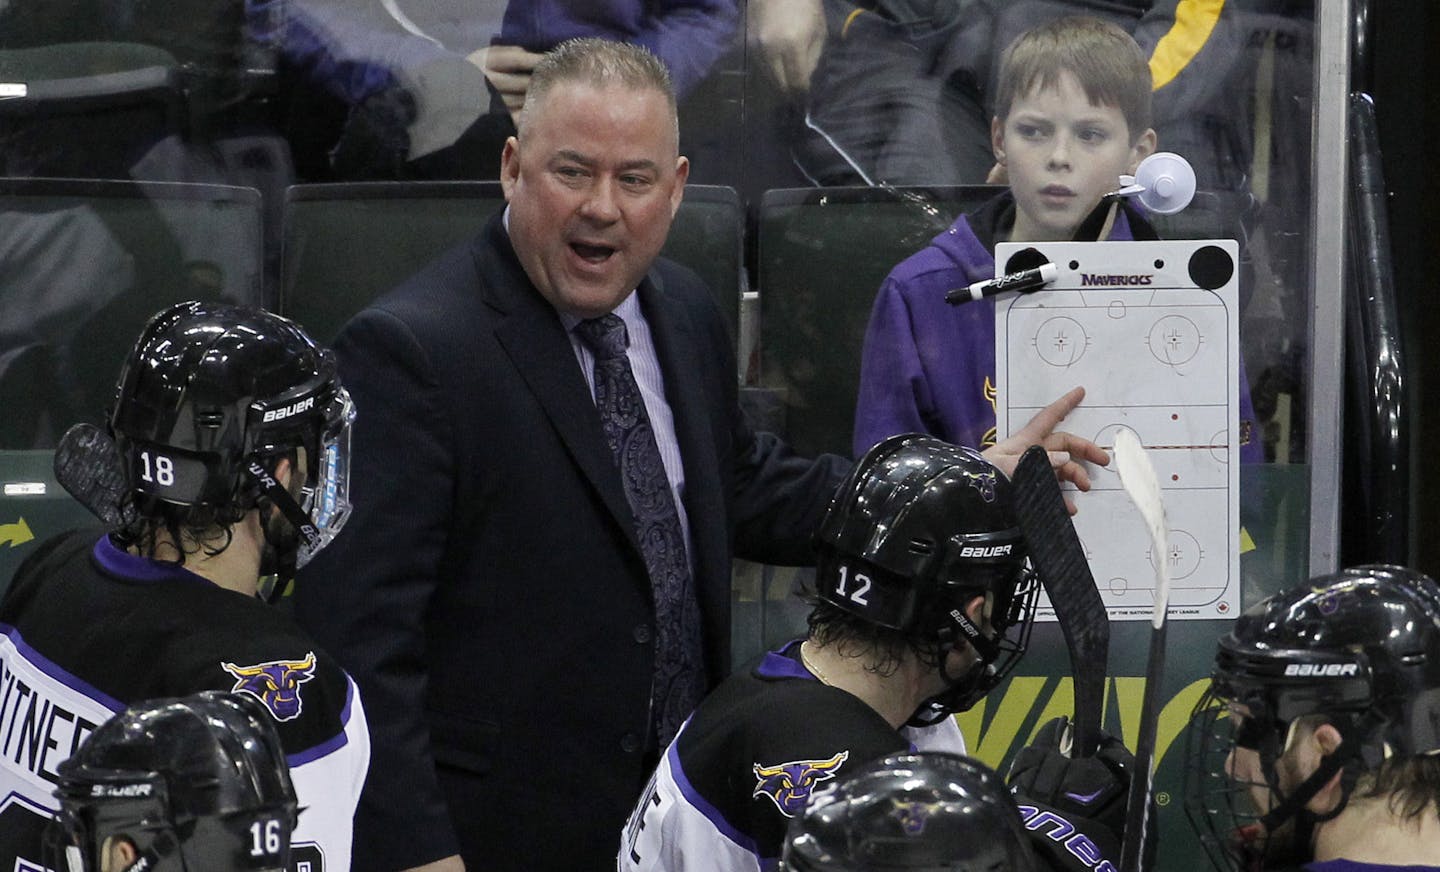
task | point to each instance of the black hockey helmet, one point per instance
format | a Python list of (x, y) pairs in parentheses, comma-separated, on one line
[(196, 784), (918, 529), (212, 394), (1358, 649), (927, 812)]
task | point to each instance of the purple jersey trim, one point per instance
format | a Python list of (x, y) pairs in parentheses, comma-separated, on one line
[(118, 562), (779, 664), (50, 668), (334, 743), (15, 799), (702, 805)]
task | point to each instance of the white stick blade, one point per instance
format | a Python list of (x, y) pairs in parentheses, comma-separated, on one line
[(1138, 477)]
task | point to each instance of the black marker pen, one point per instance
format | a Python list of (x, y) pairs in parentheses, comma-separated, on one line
[(1023, 282)]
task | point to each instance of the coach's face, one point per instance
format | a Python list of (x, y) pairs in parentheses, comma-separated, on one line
[(593, 181)]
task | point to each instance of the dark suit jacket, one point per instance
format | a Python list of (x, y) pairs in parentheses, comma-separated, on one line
[(488, 593)]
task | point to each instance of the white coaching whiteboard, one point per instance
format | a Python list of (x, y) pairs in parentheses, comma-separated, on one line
[(1151, 330)]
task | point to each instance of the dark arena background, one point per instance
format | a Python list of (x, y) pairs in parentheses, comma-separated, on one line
[(307, 155)]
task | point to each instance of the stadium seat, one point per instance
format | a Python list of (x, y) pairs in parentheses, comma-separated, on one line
[(56, 101), (823, 253), (347, 243)]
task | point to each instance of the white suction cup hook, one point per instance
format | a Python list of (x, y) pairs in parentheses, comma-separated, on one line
[(1164, 183)]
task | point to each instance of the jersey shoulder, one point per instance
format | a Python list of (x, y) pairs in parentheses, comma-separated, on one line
[(758, 748)]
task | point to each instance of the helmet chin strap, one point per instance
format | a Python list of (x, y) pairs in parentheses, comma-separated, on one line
[(1293, 805), (281, 548), (964, 690)]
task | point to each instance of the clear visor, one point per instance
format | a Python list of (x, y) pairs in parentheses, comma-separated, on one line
[(327, 500)]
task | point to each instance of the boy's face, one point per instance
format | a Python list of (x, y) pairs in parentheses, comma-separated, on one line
[(1063, 153)]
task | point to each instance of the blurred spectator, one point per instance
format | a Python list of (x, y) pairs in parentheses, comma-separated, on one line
[(429, 90), (900, 91)]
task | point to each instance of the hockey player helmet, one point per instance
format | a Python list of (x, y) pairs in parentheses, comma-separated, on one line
[(917, 531), (212, 394), (1358, 649), (927, 812), (194, 784)]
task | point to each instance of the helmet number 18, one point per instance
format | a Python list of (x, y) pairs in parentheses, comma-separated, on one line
[(163, 472)]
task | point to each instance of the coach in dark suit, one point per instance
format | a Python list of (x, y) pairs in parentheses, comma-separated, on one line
[(491, 592)]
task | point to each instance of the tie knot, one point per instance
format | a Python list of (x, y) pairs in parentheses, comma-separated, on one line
[(605, 335)]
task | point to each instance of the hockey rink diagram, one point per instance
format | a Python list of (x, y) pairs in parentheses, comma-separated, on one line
[(1150, 329)]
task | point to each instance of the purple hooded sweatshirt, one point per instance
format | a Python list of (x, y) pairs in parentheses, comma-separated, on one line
[(928, 366)]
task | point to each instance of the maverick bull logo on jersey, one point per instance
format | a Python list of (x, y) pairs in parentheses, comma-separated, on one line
[(788, 785), (275, 683)]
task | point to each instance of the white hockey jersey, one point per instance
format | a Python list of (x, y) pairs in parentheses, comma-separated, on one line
[(745, 763), (86, 629)]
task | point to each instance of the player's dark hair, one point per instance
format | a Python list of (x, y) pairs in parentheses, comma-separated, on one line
[(1410, 785), (193, 529), (882, 648)]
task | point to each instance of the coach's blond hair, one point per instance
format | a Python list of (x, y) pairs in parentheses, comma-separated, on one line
[(597, 62)]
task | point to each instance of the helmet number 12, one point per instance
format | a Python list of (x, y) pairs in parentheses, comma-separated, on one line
[(163, 472), (862, 586)]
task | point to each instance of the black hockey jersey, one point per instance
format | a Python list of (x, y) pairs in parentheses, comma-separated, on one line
[(746, 762), (87, 628)]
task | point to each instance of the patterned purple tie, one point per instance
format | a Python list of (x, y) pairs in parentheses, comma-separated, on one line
[(679, 681)]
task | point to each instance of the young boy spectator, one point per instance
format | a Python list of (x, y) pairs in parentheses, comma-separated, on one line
[(1318, 743), (1072, 114)]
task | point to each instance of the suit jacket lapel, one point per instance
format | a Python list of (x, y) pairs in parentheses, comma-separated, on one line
[(677, 346), (531, 333)]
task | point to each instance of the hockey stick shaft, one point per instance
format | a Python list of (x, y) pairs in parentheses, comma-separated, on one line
[(1142, 782), (1143, 487), (1059, 559)]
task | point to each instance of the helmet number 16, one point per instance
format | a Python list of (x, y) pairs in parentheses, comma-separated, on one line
[(862, 586), (265, 838)]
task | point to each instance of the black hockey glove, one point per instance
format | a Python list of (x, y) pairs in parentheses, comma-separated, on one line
[(1074, 808), (1092, 787)]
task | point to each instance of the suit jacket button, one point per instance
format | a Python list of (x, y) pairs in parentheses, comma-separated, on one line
[(642, 633), (630, 743)]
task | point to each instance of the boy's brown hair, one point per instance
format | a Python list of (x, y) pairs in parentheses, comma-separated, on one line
[(1105, 60)]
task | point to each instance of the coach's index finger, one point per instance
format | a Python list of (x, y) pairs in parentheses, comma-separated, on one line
[(1038, 429)]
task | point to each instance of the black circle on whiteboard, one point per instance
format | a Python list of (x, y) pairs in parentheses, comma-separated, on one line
[(1211, 267), (1025, 258)]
